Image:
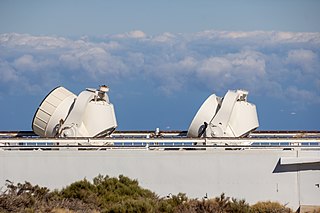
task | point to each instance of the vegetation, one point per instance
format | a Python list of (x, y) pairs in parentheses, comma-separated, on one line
[(105, 194)]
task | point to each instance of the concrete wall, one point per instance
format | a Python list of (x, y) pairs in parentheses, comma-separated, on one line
[(254, 175)]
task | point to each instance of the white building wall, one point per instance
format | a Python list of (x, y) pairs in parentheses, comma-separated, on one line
[(254, 175)]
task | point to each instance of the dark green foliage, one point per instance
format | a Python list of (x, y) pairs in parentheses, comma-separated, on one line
[(131, 205), (81, 190), (112, 194), (238, 206), (120, 194)]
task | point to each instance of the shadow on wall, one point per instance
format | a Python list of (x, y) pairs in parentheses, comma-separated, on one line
[(280, 168)]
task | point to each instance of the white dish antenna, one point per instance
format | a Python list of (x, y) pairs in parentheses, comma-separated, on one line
[(231, 116), (63, 114)]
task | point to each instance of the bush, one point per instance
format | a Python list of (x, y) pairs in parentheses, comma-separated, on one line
[(218, 204), (120, 194), (81, 190), (269, 207)]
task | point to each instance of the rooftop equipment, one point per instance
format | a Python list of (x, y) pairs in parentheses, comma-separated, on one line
[(230, 116), (63, 114)]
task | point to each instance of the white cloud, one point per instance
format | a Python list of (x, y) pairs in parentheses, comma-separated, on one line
[(296, 37), (25, 61), (306, 60), (7, 73), (164, 38), (188, 63), (302, 96), (94, 61), (12, 81), (137, 34), (260, 37), (282, 64), (36, 42), (246, 68)]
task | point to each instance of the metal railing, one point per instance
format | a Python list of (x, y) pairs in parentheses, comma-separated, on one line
[(166, 140)]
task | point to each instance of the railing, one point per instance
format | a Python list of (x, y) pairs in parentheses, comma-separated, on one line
[(168, 134), (166, 140)]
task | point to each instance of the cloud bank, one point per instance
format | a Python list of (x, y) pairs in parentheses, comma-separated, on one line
[(281, 64)]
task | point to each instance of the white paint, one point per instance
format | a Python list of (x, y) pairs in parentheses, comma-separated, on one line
[(255, 175)]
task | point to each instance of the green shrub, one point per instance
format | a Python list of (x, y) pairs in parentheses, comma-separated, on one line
[(239, 206), (122, 194), (81, 190), (131, 205)]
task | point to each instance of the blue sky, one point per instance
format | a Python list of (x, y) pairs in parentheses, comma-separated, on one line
[(162, 59)]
